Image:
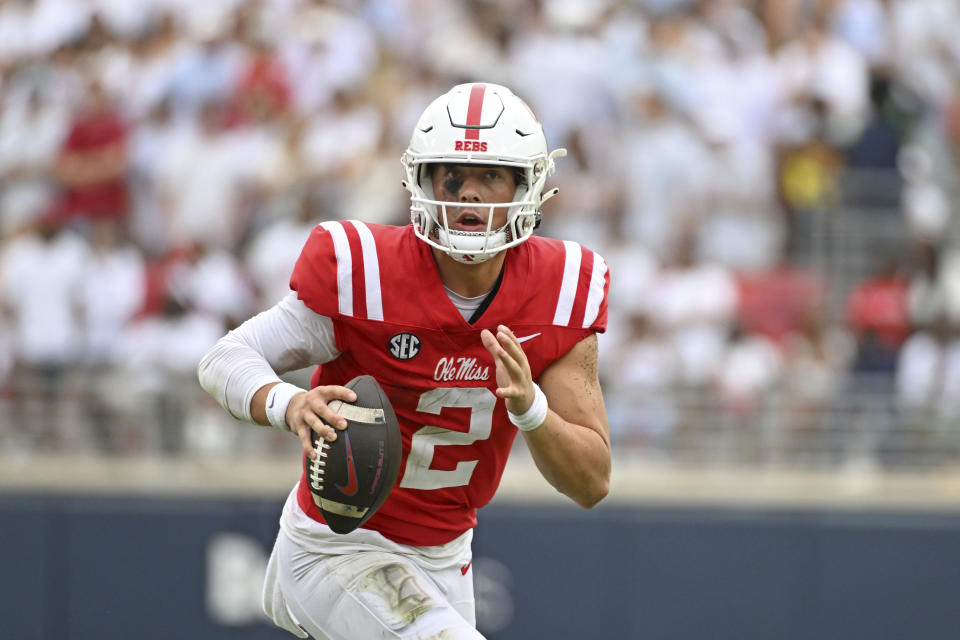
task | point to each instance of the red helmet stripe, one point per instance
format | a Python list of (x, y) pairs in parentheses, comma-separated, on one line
[(474, 109)]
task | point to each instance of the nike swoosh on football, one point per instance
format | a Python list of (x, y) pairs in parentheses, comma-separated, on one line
[(351, 487), (529, 337)]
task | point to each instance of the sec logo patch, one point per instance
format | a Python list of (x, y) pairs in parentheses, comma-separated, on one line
[(404, 346)]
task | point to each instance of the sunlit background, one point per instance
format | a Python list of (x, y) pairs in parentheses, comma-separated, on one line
[(774, 184)]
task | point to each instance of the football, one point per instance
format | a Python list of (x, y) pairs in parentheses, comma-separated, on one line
[(352, 476)]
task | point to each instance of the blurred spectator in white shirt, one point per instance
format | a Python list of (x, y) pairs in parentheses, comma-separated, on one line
[(342, 144), (31, 133), (948, 401), (113, 285), (41, 284), (950, 281), (925, 45), (920, 367), (54, 23), (642, 401), (926, 203), (556, 66), (817, 355), (472, 43), (42, 278), (751, 367), (344, 136), (866, 25), (206, 69), (330, 50), (213, 281), (694, 303), (741, 226), (926, 297), (157, 135), (629, 296), (665, 176), (159, 356), (824, 67), (274, 251), (201, 182), (589, 206), (15, 43), (113, 290), (154, 54), (817, 362)]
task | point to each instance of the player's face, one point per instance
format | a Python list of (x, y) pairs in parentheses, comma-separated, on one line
[(473, 185)]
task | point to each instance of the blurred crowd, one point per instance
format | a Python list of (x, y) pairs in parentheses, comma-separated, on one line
[(162, 162)]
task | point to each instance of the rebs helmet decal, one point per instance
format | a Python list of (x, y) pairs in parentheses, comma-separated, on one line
[(482, 124)]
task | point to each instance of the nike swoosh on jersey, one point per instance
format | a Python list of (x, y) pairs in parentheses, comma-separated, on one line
[(351, 487), (529, 337)]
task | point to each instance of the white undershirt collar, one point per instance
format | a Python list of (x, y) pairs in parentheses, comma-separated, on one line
[(466, 306)]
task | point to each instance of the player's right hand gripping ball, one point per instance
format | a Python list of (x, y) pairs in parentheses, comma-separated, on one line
[(352, 476)]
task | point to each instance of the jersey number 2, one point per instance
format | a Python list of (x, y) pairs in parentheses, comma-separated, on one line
[(418, 474)]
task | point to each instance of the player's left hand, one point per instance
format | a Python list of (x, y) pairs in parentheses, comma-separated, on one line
[(514, 380)]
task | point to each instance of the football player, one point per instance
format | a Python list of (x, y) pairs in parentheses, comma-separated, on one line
[(475, 328)]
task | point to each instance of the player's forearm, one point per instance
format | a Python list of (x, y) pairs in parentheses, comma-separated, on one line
[(244, 364), (234, 374), (573, 458)]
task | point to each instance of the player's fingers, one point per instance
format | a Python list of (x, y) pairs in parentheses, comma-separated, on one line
[(489, 342), (511, 345), (306, 440), (306, 436), (326, 412), (510, 383), (320, 427), (516, 365), (505, 329), (337, 392)]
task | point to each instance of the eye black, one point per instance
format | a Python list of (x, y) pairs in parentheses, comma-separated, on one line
[(452, 183)]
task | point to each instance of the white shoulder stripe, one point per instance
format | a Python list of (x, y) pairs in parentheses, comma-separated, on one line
[(341, 247), (595, 295), (371, 271), (568, 286)]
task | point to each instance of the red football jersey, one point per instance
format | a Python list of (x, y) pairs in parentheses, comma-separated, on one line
[(393, 320)]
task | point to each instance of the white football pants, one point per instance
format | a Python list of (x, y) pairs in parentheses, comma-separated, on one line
[(366, 595)]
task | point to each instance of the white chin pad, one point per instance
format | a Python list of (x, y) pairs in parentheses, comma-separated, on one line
[(470, 242)]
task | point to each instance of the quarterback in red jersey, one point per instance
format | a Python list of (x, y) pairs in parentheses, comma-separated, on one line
[(475, 329)]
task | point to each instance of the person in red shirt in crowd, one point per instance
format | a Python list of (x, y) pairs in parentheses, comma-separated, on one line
[(92, 165), (776, 301), (879, 305), (263, 90), (877, 313), (475, 328)]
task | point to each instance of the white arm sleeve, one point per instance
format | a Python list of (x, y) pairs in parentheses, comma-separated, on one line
[(285, 337)]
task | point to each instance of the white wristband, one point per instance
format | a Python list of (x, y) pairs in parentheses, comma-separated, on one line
[(533, 417), (278, 399)]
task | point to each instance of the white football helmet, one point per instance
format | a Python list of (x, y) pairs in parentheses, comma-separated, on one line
[(482, 124)]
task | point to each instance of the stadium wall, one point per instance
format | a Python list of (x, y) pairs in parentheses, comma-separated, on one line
[(120, 567)]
